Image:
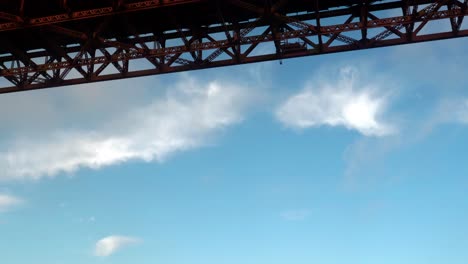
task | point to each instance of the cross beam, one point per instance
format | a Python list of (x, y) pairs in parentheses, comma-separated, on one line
[(156, 37)]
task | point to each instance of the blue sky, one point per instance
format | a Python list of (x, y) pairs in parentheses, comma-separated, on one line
[(356, 158)]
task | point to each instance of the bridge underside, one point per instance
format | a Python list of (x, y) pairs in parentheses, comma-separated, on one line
[(63, 42)]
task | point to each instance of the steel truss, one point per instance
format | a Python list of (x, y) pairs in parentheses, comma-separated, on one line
[(64, 51)]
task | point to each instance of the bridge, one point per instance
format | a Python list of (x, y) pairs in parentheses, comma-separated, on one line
[(50, 43)]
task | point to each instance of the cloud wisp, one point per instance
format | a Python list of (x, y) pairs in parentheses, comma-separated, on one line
[(8, 201), (295, 215), (452, 111), (188, 116), (111, 244), (341, 102)]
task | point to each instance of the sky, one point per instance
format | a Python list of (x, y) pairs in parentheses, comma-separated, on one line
[(357, 157)]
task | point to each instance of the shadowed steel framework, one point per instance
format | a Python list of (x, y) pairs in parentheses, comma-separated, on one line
[(49, 43)]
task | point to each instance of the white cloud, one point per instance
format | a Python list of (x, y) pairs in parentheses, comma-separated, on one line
[(463, 112), (41, 111), (111, 244), (337, 103), (188, 116), (90, 219), (8, 201), (448, 110), (453, 111), (295, 215)]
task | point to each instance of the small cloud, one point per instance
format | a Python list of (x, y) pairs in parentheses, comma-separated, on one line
[(8, 201), (453, 111), (366, 155), (448, 111), (337, 103), (295, 215), (463, 112), (90, 219), (111, 244)]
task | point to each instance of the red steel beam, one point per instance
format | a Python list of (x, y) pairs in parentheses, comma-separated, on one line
[(99, 58), (19, 23)]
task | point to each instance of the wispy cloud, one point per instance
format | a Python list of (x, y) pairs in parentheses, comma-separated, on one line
[(448, 110), (188, 116), (344, 102), (452, 111), (295, 215), (366, 155), (90, 219), (462, 112), (111, 244), (8, 201)]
